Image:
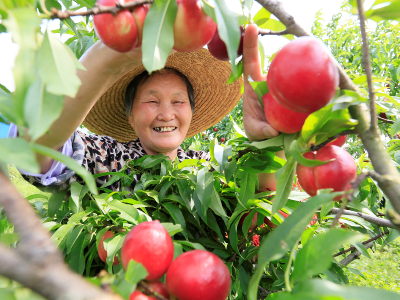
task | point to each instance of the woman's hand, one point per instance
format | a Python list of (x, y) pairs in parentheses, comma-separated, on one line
[(254, 121)]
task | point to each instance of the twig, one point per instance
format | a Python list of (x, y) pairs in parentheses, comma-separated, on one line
[(355, 184), (364, 243), (232, 259), (372, 219), (263, 292), (150, 291), (332, 138), (98, 9), (367, 66), (354, 255), (338, 214), (241, 153), (380, 231), (36, 263), (385, 120), (270, 32)]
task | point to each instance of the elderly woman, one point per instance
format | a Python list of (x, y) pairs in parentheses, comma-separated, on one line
[(133, 113)]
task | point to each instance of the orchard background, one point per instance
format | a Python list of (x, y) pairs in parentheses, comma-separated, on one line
[(202, 209)]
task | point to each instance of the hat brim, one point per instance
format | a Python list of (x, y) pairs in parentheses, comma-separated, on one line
[(214, 99)]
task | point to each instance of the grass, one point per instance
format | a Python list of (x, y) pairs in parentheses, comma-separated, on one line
[(382, 271), (25, 188)]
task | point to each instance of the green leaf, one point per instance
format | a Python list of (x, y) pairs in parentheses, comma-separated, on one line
[(112, 246), (261, 16), (158, 38), (212, 223), (360, 247), (172, 228), (56, 65), (60, 235), (73, 237), (273, 25), (297, 153), (209, 10), (228, 30), (388, 12), (128, 212), (23, 24), (282, 239), (217, 207), (176, 214), (70, 163), (315, 121), (395, 127), (357, 272), (135, 272), (306, 235), (184, 191), (8, 238), (324, 288), (76, 259), (55, 202), (261, 88), (233, 236), (247, 187), (164, 189), (316, 256), (78, 191), (274, 142), (7, 109), (202, 193), (100, 234), (73, 26), (16, 151), (236, 75), (86, 3), (224, 159), (284, 186), (230, 168), (192, 245)]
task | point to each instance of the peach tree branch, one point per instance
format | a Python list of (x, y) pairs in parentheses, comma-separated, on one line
[(367, 65), (270, 32), (98, 9), (36, 262), (372, 219)]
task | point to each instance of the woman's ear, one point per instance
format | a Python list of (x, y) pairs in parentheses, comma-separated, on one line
[(130, 120)]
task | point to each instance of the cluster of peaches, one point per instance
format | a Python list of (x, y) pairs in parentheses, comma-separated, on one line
[(193, 275), (193, 28)]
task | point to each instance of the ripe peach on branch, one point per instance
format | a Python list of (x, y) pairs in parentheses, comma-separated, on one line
[(303, 76), (149, 244), (336, 175)]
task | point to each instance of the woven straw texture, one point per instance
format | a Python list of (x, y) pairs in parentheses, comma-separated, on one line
[(214, 99)]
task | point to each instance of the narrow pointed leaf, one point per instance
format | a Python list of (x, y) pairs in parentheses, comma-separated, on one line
[(316, 256), (17, 152), (158, 38), (282, 239), (284, 186), (57, 66)]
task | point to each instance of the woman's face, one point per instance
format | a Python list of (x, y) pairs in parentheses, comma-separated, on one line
[(161, 114)]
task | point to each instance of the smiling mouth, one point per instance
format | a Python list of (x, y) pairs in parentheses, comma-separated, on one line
[(164, 129)]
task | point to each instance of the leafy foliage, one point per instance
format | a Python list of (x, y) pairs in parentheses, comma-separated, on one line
[(203, 204)]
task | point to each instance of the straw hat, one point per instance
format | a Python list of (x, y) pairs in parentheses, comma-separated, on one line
[(214, 99)]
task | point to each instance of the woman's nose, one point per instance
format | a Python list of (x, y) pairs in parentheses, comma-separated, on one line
[(166, 113)]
